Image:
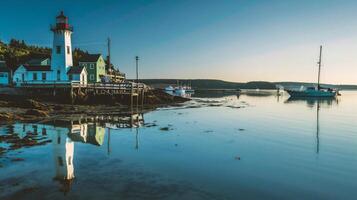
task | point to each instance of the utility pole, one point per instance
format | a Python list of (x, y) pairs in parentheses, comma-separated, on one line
[(137, 69), (109, 66), (137, 83)]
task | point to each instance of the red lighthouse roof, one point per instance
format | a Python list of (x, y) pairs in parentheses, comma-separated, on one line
[(62, 16), (61, 23)]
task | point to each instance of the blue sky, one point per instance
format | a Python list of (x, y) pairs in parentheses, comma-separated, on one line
[(230, 40)]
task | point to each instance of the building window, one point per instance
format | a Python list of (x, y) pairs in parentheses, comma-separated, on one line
[(68, 50), (69, 160), (58, 75), (2, 75), (34, 76), (44, 76), (58, 140), (58, 49), (92, 66), (91, 77), (70, 77)]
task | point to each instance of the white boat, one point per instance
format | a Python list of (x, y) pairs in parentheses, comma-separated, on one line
[(179, 90), (314, 91), (169, 89)]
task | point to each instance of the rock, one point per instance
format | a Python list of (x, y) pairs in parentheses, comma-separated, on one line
[(150, 125), (29, 103), (2, 150), (37, 113), (6, 117), (160, 97), (9, 117), (17, 159), (58, 107), (165, 129), (4, 103)]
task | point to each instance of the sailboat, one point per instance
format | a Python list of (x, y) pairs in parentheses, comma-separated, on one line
[(314, 91)]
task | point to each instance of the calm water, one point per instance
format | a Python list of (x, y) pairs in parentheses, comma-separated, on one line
[(254, 147)]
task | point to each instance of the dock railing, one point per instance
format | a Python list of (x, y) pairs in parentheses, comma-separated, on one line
[(132, 86)]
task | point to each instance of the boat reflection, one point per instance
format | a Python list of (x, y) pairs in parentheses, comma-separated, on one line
[(311, 101), (318, 103), (65, 133), (317, 127)]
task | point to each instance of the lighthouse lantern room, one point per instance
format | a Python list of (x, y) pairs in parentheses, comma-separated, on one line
[(61, 60)]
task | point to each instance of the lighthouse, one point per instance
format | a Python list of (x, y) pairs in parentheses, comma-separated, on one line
[(61, 60)]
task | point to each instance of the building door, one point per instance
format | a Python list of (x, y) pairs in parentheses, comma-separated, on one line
[(23, 77)]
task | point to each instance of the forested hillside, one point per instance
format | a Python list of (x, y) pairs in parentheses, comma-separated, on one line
[(17, 52)]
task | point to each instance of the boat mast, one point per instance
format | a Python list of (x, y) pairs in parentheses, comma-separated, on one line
[(318, 76)]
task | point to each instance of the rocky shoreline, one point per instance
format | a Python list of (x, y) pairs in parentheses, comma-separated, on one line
[(14, 108)]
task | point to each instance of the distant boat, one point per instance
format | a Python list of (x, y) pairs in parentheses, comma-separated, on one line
[(314, 91), (179, 90), (169, 88)]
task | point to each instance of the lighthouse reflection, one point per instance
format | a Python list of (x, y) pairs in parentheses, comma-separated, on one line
[(65, 133)]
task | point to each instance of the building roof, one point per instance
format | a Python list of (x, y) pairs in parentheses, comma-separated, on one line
[(90, 58), (75, 70), (37, 67), (36, 61)]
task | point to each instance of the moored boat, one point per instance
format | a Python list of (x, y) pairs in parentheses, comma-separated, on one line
[(314, 91)]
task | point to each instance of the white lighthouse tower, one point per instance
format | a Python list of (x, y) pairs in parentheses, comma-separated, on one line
[(61, 60)]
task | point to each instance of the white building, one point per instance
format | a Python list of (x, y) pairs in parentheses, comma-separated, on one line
[(4, 74), (78, 74), (61, 69), (33, 74)]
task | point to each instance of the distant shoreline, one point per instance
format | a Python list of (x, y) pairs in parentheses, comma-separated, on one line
[(213, 84)]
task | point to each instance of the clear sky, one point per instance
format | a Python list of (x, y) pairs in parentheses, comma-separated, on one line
[(220, 39)]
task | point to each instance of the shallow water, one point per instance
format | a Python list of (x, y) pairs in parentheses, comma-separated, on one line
[(254, 147)]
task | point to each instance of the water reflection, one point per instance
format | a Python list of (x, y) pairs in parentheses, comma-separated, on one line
[(63, 134), (317, 127), (311, 102), (315, 102)]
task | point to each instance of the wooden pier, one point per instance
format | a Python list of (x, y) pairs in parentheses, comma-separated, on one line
[(76, 90)]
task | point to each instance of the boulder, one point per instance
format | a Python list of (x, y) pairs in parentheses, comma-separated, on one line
[(37, 113), (29, 103), (6, 117)]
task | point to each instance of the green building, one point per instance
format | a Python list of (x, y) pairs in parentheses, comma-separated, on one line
[(95, 66)]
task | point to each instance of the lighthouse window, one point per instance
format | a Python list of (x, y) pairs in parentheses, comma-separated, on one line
[(60, 161), (68, 50), (58, 49)]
